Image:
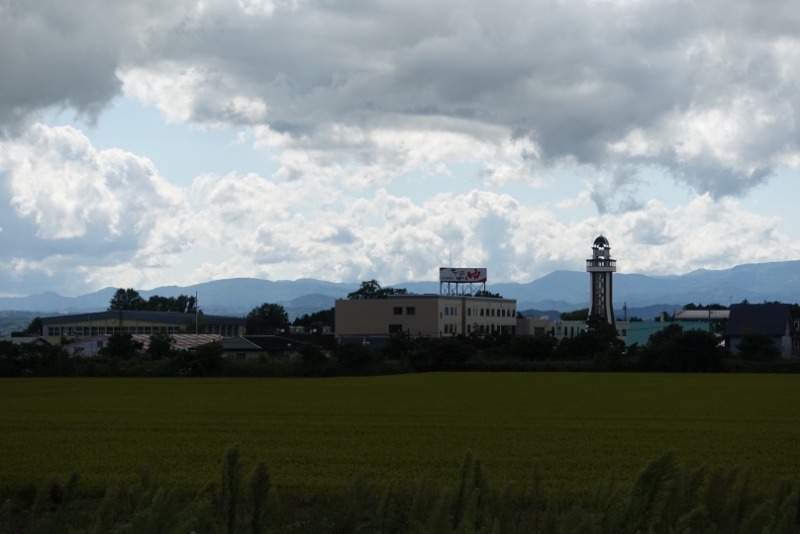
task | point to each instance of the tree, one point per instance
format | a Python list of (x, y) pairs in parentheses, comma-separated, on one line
[(673, 349), (126, 299), (160, 346), (597, 340), (130, 299), (35, 326), (121, 346), (487, 294), (693, 306), (371, 289), (532, 348), (181, 304), (317, 319), (577, 315), (266, 319), (758, 348)]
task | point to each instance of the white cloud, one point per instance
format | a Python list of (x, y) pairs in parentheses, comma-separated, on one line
[(475, 107), (142, 232), (74, 204)]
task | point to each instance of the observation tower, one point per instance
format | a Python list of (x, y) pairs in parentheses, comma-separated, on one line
[(600, 268)]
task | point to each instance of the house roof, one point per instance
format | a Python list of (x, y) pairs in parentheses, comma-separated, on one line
[(261, 343), (25, 340), (181, 341), (768, 319)]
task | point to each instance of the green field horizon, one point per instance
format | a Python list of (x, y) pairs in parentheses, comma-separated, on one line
[(320, 433)]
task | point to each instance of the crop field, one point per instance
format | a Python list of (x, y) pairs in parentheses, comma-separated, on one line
[(319, 433)]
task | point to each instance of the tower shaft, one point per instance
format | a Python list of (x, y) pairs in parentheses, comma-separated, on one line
[(600, 268)]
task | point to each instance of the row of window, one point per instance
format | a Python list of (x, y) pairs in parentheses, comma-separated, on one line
[(490, 312), (73, 331), (83, 331), (452, 328), (453, 311), (478, 329)]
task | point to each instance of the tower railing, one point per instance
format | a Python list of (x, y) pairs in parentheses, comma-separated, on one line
[(601, 265)]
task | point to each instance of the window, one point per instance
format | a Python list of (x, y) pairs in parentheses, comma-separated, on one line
[(411, 310), (397, 310)]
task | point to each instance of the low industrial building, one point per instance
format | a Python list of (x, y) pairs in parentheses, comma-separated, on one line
[(83, 325)]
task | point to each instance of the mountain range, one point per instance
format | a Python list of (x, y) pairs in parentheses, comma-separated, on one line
[(559, 291)]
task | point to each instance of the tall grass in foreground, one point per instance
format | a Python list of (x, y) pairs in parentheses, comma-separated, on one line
[(664, 498)]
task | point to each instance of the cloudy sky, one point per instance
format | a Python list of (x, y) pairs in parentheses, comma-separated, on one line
[(147, 143)]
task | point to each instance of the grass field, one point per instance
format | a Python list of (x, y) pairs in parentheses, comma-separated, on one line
[(318, 433)]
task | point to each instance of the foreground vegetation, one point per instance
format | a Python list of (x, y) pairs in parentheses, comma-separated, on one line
[(317, 433), (664, 497)]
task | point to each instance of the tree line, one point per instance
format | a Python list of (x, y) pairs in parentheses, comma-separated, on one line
[(131, 300), (672, 349)]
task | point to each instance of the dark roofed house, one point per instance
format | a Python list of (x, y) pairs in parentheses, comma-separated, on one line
[(771, 320)]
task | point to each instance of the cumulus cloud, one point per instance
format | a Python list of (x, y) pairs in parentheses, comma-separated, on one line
[(350, 99), (135, 229), (71, 204), (703, 90)]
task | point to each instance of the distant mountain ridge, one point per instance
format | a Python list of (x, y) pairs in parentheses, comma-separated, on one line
[(560, 290)]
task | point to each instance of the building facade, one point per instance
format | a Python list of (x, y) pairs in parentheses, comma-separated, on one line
[(85, 325), (425, 316)]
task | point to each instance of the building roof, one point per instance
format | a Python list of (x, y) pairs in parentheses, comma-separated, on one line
[(768, 319), (434, 296), (135, 315), (25, 340), (601, 241), (181, 341), (702, 315), (261, 343)]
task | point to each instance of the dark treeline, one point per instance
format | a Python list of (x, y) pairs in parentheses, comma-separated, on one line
[(672, 349), (130, 300), (665, 497)]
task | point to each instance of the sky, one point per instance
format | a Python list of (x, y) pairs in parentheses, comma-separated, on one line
[(147, 143)]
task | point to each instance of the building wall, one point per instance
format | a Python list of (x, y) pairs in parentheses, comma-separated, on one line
[(75, 329), (120, 322), (425, 316)]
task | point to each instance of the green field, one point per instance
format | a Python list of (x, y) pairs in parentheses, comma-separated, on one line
[(319, 433)]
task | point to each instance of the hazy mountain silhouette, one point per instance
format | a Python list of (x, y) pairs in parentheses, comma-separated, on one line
[(560, 290)]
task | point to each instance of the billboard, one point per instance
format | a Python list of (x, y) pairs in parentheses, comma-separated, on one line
[(475, 275)]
